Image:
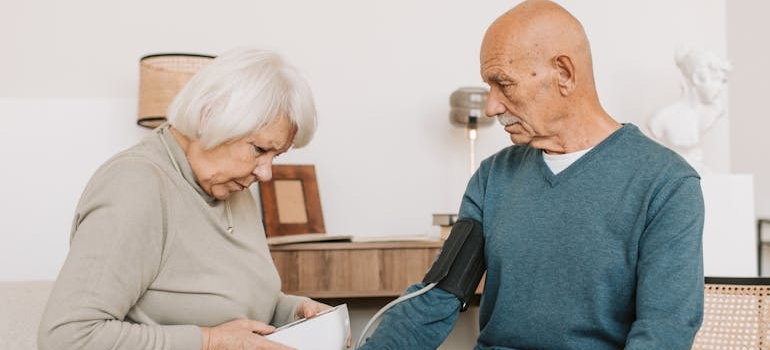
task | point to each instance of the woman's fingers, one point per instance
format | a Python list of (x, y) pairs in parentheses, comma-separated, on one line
[(260, 327), (310, 308)]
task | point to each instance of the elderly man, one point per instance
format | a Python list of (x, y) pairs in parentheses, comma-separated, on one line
[(592, 231)]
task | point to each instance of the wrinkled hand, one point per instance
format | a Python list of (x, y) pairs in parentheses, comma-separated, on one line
[(240, 335), (310, 308)]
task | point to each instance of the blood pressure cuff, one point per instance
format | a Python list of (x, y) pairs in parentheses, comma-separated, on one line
[(460, 264)]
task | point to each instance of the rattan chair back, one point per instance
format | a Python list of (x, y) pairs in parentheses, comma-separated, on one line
[(736, 314)]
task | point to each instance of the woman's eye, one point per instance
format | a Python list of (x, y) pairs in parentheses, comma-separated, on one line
[(258, 149)]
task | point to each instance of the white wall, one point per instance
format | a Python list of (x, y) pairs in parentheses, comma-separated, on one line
[(386, 156), (382, 72), (750, 122), (748, 96)]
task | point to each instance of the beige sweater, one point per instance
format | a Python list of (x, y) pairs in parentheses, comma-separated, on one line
[(150, 259)]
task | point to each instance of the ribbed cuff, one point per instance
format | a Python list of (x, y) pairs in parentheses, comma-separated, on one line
[(286, 309)]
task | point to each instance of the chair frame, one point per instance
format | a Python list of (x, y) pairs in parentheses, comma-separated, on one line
[(736, 314), (746, 281)]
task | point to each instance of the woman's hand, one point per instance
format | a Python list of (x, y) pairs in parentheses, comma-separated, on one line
[(240, 335), (310, 308)]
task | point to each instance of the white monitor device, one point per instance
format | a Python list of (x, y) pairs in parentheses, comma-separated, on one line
[(329, 330)]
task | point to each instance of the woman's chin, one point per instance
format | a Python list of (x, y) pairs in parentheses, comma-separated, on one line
[(220, 194)]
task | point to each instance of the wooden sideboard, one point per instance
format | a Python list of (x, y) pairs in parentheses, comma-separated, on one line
[(341, 270)]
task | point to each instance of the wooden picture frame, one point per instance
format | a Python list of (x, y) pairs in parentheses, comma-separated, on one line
[(290, 201)]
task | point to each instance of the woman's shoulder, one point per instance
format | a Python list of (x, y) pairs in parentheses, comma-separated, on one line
[(144, 158), (134, 161), (134, 169)]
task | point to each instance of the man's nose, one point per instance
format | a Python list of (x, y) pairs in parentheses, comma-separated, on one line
[(494, 107)]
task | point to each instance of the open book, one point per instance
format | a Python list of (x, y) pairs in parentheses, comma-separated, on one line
[(328, 330), (322, 237), (307, 238)]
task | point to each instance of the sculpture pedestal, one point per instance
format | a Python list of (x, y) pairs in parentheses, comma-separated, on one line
[(729, 233)]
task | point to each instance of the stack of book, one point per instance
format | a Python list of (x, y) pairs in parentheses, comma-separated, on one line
[(445, 222)]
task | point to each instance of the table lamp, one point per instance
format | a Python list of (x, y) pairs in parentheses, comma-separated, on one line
[(160, 79), (467, 111)]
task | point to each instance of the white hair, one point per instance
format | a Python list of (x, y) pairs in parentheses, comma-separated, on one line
[(241, 91)]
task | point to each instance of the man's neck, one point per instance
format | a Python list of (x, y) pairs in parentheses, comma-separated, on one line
[(578, 135)]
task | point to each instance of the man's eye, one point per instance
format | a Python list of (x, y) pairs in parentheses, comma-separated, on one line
[(258, 149), (507, 88)]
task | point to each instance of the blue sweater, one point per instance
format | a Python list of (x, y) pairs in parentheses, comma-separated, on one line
[(605, 255)]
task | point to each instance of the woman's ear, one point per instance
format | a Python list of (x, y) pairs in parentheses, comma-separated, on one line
[(566, 72)]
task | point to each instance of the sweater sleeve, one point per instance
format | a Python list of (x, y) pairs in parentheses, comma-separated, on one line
[(286, 309), (422, 322), (471, 206), (669, 298), (115, 253)]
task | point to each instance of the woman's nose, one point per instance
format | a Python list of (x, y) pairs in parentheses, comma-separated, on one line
[(264, 170)]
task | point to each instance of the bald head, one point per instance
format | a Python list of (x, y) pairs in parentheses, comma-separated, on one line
[(539, 30), (537, 62)]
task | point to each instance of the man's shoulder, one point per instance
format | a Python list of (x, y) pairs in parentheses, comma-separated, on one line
[(647, 154)]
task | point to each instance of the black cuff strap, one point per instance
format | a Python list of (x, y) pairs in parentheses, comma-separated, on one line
[(460, 264)]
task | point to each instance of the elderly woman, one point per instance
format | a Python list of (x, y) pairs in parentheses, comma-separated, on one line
[(167, 247)]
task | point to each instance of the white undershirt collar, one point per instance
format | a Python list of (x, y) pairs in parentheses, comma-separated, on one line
[(559, 162)]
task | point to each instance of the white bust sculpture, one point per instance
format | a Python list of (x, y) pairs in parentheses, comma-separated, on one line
[(681, 125)]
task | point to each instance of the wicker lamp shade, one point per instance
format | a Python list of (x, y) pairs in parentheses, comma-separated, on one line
[(161, 77)]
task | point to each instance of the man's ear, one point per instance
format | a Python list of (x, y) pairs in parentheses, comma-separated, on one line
[(566, 71)]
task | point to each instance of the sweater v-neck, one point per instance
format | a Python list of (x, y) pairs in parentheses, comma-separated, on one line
[(581, 163)]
